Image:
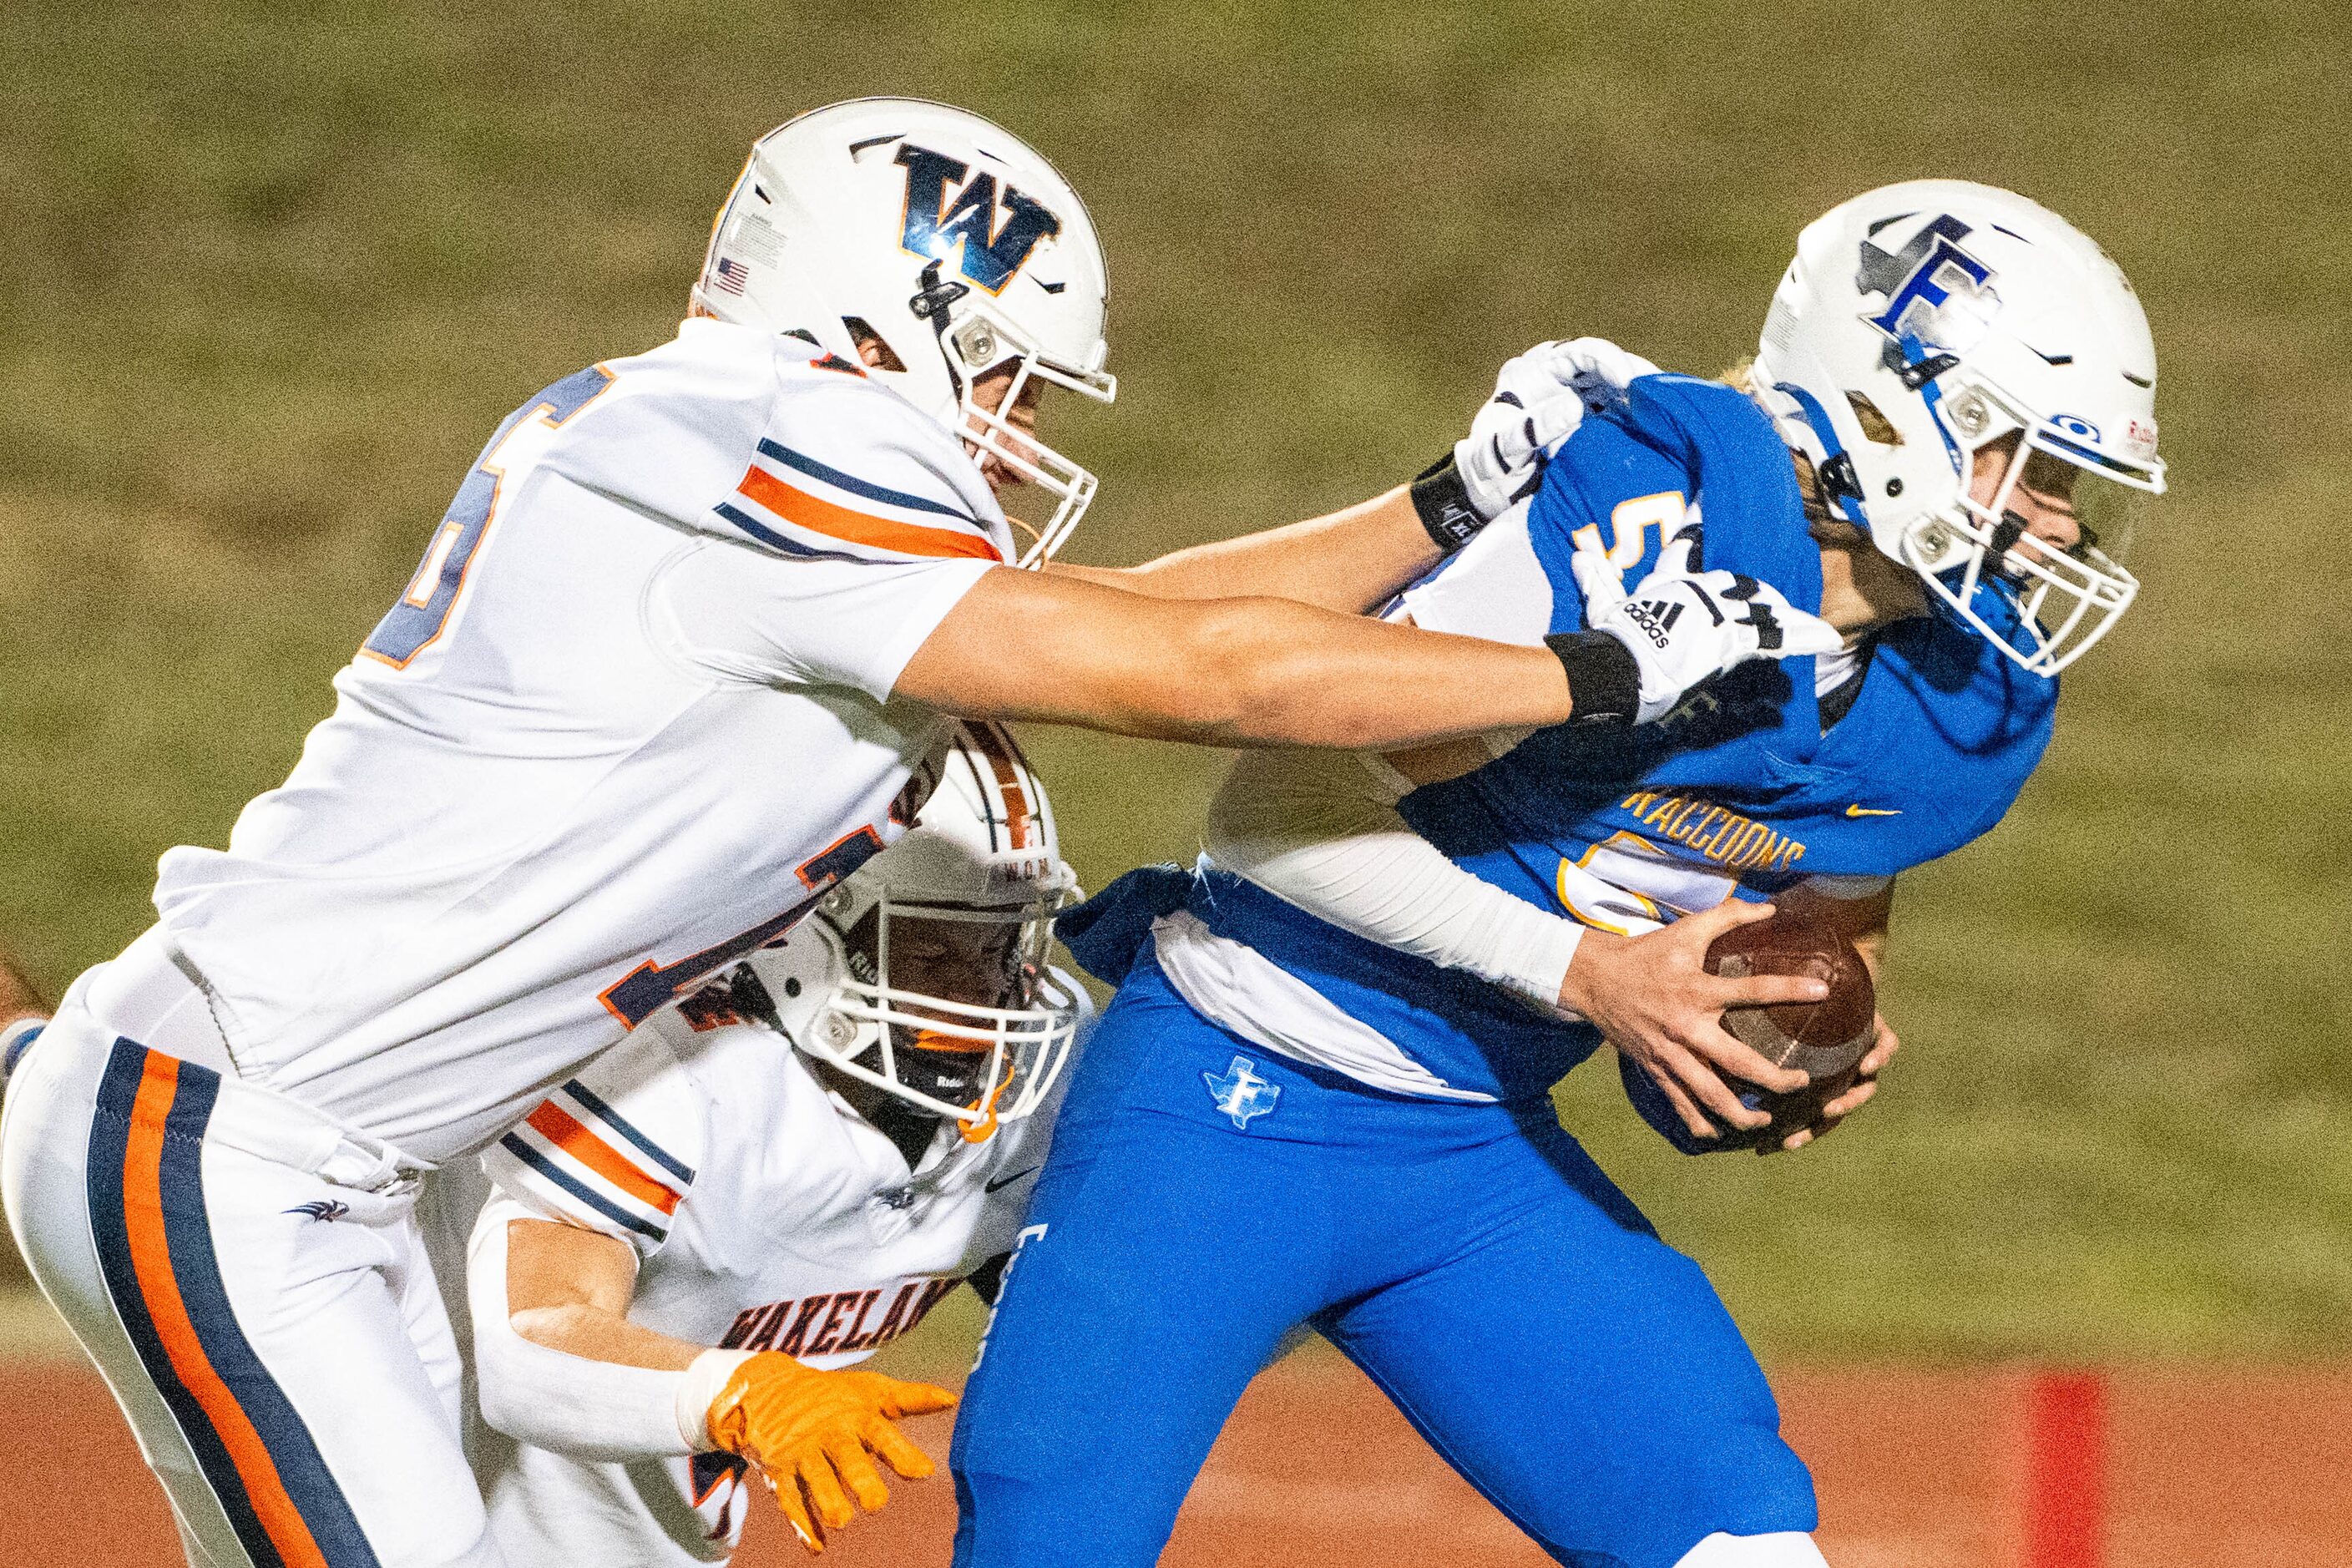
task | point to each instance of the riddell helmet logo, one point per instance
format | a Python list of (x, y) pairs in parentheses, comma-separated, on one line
[(940, 223)]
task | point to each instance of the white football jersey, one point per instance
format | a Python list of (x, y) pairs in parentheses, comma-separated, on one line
[(628, 720), (767, 1216)]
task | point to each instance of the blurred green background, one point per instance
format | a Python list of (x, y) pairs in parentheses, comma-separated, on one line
[(268, 273)]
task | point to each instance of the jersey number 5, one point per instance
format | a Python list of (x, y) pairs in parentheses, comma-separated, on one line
[(1630, 525), (416, 620)]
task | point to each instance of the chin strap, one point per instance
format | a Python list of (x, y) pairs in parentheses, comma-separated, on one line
[(929, 303), (2005, 536), (982, 1131), (1840, 485)]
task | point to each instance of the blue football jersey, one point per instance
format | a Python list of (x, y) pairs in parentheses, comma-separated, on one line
[(1737, 794)]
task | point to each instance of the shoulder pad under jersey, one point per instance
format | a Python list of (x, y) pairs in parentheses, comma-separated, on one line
[(1677, 452), (763, 439), (612, 1149)]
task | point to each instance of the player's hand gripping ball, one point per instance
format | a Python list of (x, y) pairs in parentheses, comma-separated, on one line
[(813, 1436), (1826, 1039)]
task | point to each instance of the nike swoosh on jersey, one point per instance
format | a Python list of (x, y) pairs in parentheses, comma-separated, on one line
[(1869, 811), (1008, 1181)]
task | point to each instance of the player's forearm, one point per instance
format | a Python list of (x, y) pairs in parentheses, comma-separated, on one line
[(593, 1334), (1265, 672), (557, 1366), (582, 1405), (1349, 561), (1276, 674), (1226, 672)]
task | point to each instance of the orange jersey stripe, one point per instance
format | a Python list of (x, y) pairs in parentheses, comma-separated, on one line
[(552, 1123), (151, 1261), (820, 516)]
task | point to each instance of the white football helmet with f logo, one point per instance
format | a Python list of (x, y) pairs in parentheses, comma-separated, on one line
[(1926, 321), (945, 237)]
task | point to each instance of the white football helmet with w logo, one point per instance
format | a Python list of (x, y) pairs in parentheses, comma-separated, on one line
[(1925, 321), (945, 237), (925, 973)]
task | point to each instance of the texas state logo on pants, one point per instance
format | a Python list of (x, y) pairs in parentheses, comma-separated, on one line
[(1240, 1092)]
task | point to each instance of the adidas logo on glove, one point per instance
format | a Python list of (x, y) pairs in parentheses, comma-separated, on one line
[(1656, 617)]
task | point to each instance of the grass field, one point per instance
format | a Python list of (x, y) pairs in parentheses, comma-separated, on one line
[(270, 273)]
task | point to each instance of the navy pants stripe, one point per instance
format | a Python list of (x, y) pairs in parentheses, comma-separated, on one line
[(156, 1250)]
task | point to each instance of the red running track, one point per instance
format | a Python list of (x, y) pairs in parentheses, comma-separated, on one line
[(1916, 1469)]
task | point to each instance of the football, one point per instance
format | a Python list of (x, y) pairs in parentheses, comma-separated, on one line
[(1827, 1038)]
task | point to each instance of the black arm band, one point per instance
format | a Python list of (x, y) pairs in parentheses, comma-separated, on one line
[(1443, 503), (1603, 679)]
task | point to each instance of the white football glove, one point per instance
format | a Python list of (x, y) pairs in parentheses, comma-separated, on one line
[(1686, 626), (1540, 397)]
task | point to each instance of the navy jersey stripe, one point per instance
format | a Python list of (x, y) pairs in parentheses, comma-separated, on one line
[(774, 540), (859, 487), (622, 1125), (597, 1201)]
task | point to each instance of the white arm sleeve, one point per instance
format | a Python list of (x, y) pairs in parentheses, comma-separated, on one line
[(1320, 830), (1495, 588), (588, 1409)]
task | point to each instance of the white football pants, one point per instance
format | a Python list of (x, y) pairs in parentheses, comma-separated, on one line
[(251, 1281)]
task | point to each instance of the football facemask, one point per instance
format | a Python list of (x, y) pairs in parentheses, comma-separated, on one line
[(992, 434), (2064, 594), (954, 1008)]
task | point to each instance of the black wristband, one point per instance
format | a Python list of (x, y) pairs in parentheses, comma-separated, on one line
[(1602, 677), (1443, 502)]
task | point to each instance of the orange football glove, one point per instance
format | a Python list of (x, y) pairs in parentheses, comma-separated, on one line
[(809, 1433)]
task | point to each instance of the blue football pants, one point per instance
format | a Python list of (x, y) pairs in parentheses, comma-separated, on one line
[(1470, 1259)]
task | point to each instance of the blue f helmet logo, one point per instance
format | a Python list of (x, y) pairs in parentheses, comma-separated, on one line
[(938, 225), (1921, 282), (1240, 1093)]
